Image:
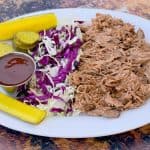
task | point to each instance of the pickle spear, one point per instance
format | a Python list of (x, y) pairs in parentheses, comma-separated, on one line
[(21, 110), (32, 23)]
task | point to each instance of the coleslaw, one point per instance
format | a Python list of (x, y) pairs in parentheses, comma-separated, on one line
[(56, 55)]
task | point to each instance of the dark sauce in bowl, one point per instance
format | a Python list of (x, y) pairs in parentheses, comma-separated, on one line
[(15, 69)]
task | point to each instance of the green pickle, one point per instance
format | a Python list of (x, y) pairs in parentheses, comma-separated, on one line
[(21, 46), (25, 40), (5, 49)]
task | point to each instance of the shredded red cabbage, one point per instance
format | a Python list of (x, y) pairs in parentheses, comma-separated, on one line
[(54, 55)]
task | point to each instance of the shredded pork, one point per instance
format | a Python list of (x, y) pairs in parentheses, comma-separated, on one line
[(114, 70)]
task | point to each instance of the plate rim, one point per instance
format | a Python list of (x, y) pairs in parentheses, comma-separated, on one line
[(70, 9)]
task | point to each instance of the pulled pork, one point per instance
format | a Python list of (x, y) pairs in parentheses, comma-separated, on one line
[(114, 70)]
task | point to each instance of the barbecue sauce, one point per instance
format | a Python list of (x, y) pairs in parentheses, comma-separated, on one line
[(15, 69)]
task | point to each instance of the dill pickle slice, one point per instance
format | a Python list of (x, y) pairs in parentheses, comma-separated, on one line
[(22, 47), (27, 38), (5, 49), (24, 41)]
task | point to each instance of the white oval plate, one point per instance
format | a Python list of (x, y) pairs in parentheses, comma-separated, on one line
[(82, 126)]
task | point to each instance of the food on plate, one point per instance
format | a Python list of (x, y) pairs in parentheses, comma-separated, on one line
[(98, 69), (16, 69), (21, 110), (5, 49), (25, 40), (114, 70), (31, 23)]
